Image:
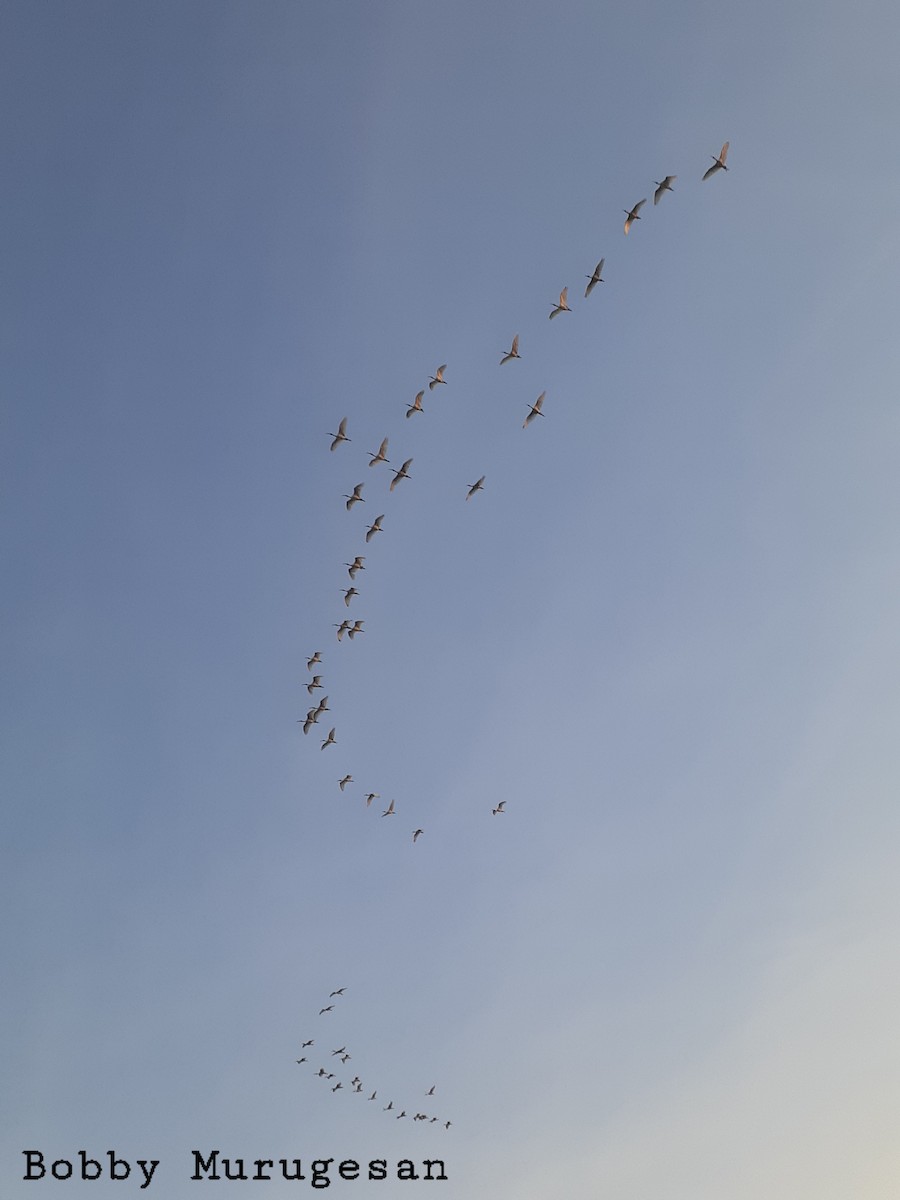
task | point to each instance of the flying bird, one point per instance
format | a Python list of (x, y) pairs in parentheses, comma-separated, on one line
[(356, 498), (372, 796), (356, 565), (512, 352), (475, 487), (331, 740), (389, 811), (315, 682), (325, 1010), (663, 185), (417, 833), (379, 457), (374, 528), (357, 628), (416, 405), (336, 992), (430, 1091), (401, 474), (343, 1050), (309, 1043), (343, 628), (501, 807), (562, 306), (300, 1060), (374, 1094), (719, 164), (342, 783), (534, 410), (595, 278), (316, 658), (323, 706), (437, 377), (348, 596), (341, 435), (632, 216), (337, 1085)]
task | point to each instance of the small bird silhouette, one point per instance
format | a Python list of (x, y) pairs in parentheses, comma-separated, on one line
[(357, 628), (475, 487), (719, 164), (355, 498), (315, 682), (401, 474), (316, 658), (512, 352), (632, 216), (325, 1010), (437, 377), (356, 565), (416, 405), (344, 627), (370, 797), (309, 1043), (534, 410), (418, 833), (348, 596), (663, 185), (380, 456), (337, 992), (501, 807), (595, 278), (331, 740), (389, 811), (374, 528), (563, 305), (342, 783), (341, 435)]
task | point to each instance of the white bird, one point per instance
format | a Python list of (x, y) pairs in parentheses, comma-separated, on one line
[(357, 628), (719, 164), (342, 783), (374, 528), (663, 185), (501, 807), (632, 216), (309, 722), (389, 811), (341, 435), (401, 474), (534, 410), (595, 278), (356, 565), (562, 306), (315, 682), (344, 627), (512, 352), (416, 405), (372, 796), (478, 486), (437, 377), (331, 740), (348, 596), (316, 658), (379, 457), (323, 706), (355, 497), (417, 833)]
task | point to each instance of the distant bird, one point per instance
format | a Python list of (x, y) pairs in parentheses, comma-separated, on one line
[(430, 1091), (355, 498), (358, 1087), (437, 377), (345, 1058), (348, 596), (379, 457), (389, 811), (447, 1124), (501, 807), (595, 278), (337, 1085), (342, 783), (356, 565), (343, 628), (512, 352), (416, 405), (322, 706), (325, 1010), (372, 796), (388, 1106), (401, 1115), (719, 164), (310, 721), (374, 1094), (316, 658), (374, 528), (417, 834), (343, 1050), (331, 740), (341, 435), (315, 682), (300, 1060), (562, 306), (337, 992), (401, 474), (534, 410), (663, 185), (321, 1071), (475, 487), (309, 1043), (632, 216), (357, 628)]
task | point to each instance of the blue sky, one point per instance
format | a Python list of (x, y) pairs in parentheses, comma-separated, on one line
[(665, 633)]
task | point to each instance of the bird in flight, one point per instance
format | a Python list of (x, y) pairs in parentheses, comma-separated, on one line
[(501, 807), (388, 1106), (337, 1085), (325, 1010), (389, 811), (356, 565), (331, 740), (372, 796), (343, 1050), (512, 352), (374, 528), (357, 628), (300, 1060), (563, 305), (380, 456), (534, 410), (309, 1043), (595, 278), (416, 405), (343, 628), (430, 1091), (417, 833), (341, 435), (355, 498), (316, 658), (475, 487), (342, 783), (348, 596), (311, 717), (401, 474), (663, 185), (632, 216), (323, 706), (336, 992), (719, 163), (315, 682), (437, 377)]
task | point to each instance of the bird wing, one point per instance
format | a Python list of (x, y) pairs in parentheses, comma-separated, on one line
[(724, 154), (640, 204), (342, 428), (514, 349), (563, 297), (539, 402)]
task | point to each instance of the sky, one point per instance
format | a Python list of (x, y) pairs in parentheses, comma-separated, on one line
[(665, 633)]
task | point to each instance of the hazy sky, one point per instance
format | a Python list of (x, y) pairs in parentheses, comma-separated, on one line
[(666, 633)]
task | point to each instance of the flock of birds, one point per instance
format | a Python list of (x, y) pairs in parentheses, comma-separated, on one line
[(355, 1085), (357, 564)]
